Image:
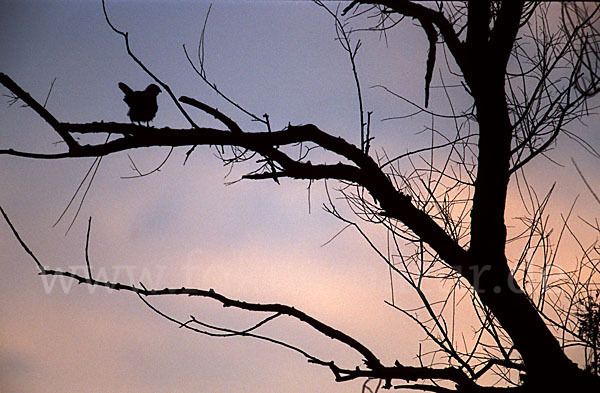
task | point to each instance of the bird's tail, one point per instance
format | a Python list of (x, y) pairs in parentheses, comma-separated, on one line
[(126, 89)]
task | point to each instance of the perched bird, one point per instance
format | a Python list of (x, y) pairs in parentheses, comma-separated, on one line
[(142, 104)]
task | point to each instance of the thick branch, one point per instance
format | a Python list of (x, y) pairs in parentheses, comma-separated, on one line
[(408, 373), (478, 27), (426, 16), (505, 31), (366, 173)]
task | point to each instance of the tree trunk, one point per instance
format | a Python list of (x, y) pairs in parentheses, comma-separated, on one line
[(490, 276)]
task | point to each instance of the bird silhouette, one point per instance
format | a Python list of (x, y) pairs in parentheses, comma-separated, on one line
[(142, 104)]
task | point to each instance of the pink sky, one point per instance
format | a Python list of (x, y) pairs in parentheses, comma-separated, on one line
[(183, 226)]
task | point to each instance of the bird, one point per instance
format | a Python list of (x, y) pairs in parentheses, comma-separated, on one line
[(142, 104)]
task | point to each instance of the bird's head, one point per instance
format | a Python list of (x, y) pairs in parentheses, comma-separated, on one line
[(153, 89)]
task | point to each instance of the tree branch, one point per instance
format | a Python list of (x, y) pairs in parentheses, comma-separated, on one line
[(40, 110), (366, 173), (165, 86), (502, 37), (371, 360), (226, 120), (426, 16)]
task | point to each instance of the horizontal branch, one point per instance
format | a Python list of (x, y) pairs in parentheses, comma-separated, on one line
[(370, 359), (408, 373), (360, 168), (374, 367), (365, 173), (41, 156)]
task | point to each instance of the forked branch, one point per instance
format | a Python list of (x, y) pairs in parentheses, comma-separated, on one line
[(360, 168)]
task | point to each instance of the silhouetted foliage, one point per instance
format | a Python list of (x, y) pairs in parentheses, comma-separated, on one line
[(589, 329)]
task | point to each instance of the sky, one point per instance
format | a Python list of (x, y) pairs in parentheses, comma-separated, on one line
[(184, 225)]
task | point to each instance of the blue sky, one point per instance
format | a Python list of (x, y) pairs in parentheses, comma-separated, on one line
[(252, 240)]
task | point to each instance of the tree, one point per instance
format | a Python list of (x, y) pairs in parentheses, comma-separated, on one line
[(527, 74)]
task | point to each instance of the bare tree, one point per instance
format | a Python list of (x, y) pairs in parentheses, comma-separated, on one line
[(527, 74)]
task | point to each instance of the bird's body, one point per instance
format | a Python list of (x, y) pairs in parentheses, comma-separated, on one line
[(142, 104)]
